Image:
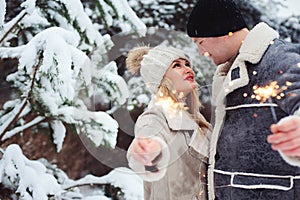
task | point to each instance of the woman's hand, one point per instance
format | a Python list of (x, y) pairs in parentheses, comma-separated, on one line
[(145, 150)]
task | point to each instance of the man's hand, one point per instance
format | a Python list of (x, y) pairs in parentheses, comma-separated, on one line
[(145, 150), (286, 136)]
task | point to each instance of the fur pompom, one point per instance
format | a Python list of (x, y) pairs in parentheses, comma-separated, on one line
[(135, 57)]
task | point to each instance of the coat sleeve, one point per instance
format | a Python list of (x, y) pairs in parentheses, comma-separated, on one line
[(151, 125), (289, 70)]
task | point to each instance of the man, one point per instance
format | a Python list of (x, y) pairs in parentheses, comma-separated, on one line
[(242, 162)]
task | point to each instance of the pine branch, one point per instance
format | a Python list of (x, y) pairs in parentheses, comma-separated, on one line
[(25, 102), (83, 184), (21, 16), (19, 129), (12, 120)]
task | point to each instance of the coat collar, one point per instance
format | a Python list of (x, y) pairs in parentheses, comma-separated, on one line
[(252, 50), (179, 120)]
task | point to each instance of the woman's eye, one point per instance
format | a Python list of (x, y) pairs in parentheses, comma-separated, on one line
[(176, 65), (187, 64)]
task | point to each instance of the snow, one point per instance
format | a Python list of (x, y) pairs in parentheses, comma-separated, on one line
[(98, 126), (121, 177), (292, 8), (29, 5), (2, 12), (19, 129), (76, 12), (53, 67), (59, 133), (27, 175), (130, 183), (33, 181), (64, 68), (125, 10), (96, 197), (110, 72), (6, 119), (148, 2), (34, 19), (108, 18), (143, 99)]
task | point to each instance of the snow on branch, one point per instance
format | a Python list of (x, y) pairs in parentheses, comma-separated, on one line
[(29, 178), (8, 119), (124, 178), (127, 19), (51, 74), (2, 12), (19, 129), (29, 8), (39, 180), (98, 126), (70, 15), (111, 86)]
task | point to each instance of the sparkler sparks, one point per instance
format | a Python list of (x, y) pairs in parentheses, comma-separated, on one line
[(167, 103), (265, 93), (206, 54)]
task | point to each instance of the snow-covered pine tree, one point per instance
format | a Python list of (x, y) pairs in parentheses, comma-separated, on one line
[(52, 42), (54, 66)]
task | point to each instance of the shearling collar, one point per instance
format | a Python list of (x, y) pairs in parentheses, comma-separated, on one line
[(257, 42), (252, 50)]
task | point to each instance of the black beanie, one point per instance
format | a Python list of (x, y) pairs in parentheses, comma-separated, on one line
[(214, 18)]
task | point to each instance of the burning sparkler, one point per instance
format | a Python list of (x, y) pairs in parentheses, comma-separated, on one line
[(169, 104), (265, 93)]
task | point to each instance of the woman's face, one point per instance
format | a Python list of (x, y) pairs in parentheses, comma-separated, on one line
[(182, 76)]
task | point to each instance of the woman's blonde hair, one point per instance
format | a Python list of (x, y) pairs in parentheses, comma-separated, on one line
[(192, 102)]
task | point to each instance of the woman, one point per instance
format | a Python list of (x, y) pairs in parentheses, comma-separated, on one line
[(170, 148)]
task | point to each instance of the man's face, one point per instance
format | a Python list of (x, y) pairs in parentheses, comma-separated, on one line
[(212, 47)]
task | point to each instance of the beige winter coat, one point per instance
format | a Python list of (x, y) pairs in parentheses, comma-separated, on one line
[(182, 168)]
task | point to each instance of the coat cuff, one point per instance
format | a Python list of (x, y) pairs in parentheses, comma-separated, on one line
[(292, 160), (161, 165)]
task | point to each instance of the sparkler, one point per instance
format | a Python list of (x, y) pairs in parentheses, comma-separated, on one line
[(169, 104), (265, 93)]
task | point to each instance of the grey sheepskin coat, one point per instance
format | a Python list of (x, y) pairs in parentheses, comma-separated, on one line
[(242, 164)]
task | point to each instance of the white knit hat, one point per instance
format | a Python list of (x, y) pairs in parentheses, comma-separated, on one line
[(155, 64)]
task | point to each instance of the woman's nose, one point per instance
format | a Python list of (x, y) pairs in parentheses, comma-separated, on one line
[(188, 70)]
